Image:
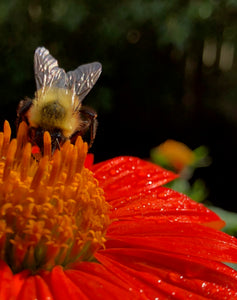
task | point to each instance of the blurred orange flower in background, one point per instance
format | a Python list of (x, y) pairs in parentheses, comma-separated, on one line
[(175, 154)]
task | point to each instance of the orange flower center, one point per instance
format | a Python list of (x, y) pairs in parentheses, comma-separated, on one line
[(52, 212)]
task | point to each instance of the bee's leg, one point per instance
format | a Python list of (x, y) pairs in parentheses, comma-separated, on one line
[(22, 109), (93, 128), (57, 144), (88, 116)]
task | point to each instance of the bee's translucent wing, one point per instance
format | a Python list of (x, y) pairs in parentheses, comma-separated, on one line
[(47, 71), (82, 79)]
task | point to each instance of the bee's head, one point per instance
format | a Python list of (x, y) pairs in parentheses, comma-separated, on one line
[(36, 136)]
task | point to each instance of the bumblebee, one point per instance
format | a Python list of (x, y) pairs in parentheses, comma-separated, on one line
[(57, 106)]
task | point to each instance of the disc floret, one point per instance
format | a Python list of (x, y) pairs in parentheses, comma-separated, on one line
[(52, 212)]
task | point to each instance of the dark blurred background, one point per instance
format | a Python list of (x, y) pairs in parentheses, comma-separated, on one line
[(169, 71)]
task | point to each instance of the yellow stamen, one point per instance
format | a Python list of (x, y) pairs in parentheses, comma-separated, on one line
[(6, 137), (56, 167), (21, 138), (71, 164), (1, 141), (83, 153), (25, 165), (10, 158), (39, 173), (47, 144), (51, 211)]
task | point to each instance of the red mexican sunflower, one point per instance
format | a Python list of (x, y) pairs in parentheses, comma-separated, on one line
[(111, 232)]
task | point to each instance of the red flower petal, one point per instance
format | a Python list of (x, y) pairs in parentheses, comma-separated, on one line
[(163, 204), (122, 176), (35, 150), (34, 287), (145, 288), (182, 238), (43, 291), (61, 286), (99, 270), (132, 187), (17, 284), (165, 275), (6, 277), (97, 283), (89, 160), (28, 290)]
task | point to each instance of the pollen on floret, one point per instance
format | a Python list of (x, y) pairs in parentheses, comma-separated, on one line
[(52, 212)]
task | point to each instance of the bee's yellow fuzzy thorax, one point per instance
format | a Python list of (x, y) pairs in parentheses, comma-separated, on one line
[(52, 108)]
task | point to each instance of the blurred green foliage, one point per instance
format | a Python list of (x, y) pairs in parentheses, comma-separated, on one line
[(168, 71), (178, 158)]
